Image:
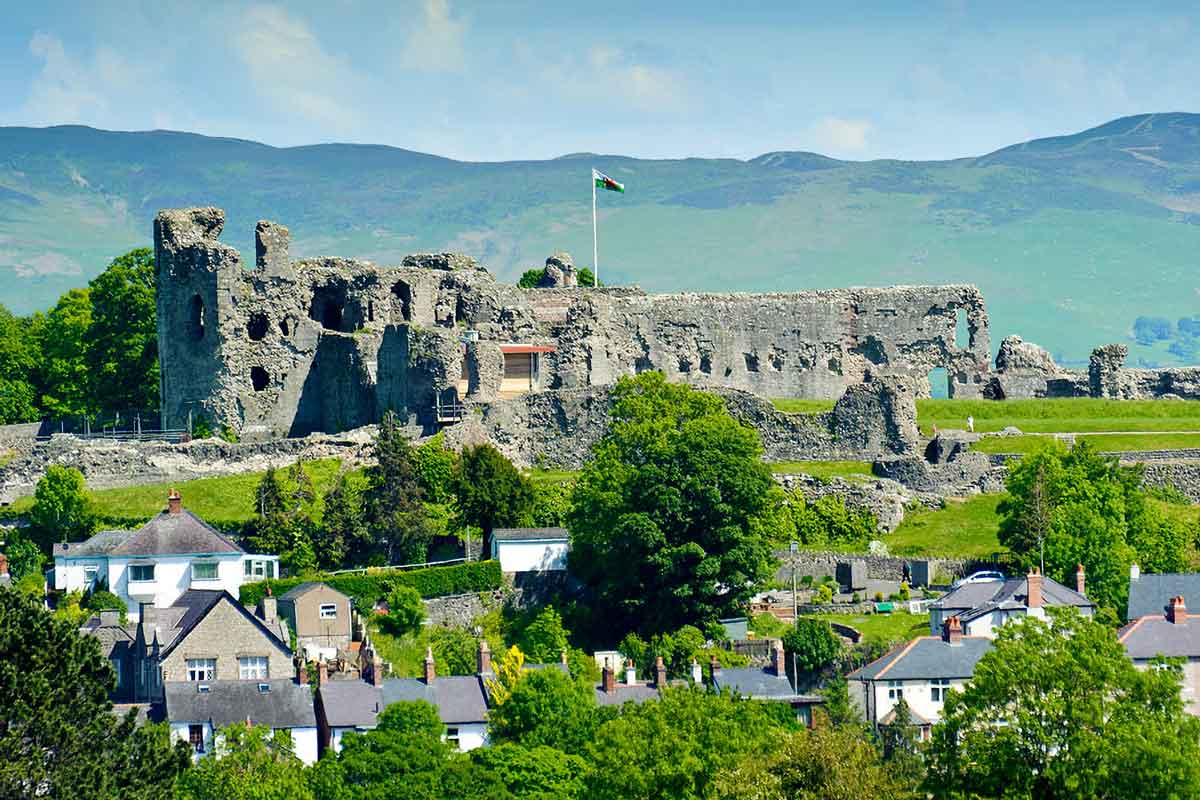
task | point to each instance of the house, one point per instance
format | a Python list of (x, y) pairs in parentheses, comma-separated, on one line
[(197, 710), (530, 549), (172, 553), (207, 636), (116, 643), (1151, 593), (768, 683), (319, 615), (981, 608), (922, 672), (611, 692), (1173, 633)]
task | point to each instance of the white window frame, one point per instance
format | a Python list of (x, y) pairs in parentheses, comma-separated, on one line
[(90, 573), (895, 690), (258, 569), (216, 571), (452, 738), (938, 687), (134, 579), (253, 668), (328, 611), (201, 670)]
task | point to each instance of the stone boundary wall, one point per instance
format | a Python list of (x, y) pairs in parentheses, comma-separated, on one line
[(461, 610), (1182, 476), (1126, 456), (820, 563), (20, 436)]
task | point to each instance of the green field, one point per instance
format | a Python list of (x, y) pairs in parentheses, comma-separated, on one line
[(965, 528), (823, 469), (1114, 443), (1061, 415), (883, 628)]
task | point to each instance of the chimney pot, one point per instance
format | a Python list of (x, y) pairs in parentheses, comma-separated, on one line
[(429, 671), (630, 672), (322, 673), (1135, 572), (1034, 581), (562, 657), (3, 564), (376, 671), (778, 662), (952, 632), (301, 672), (483, 660), (660, 672), (1177, 611), (1080, 580), (174, 502), (608, 680)]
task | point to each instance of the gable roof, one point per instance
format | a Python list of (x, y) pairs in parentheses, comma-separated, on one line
[(285, 704), (1154, 635), (99, 544), (1150, 593), (626, 693), (519, 534), (1010, 590), (755, 683), (459, 699), (351, 703), (175, 622), (926, 657), (175, 534), (297, 592)]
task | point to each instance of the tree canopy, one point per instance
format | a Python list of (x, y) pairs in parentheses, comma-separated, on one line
[(62, 510), (667, 519), (491, 493)]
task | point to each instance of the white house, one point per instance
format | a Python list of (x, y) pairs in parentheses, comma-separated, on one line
[(530, 549), (170, 554), (922, 672), (982, 608)]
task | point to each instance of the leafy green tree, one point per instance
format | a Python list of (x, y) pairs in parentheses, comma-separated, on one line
[(454, 649), (901, 744), (838, 706), (491, 492), (534, 772), (20, 352), (253, 764), (1057, 710), (544, 639), (586, 277), (342, 525), (397, 526), (813, 643), (820, 764), (666, 517), (435, 466), (285, 524), (58, 735), (24, 556), (406, 612), (122, 351), (16, 402), (1079, 507), (63, 371), (677, 650), (547, 707), (530, 278), (416, 718), (62, 510), (551, 503), (827, 521)]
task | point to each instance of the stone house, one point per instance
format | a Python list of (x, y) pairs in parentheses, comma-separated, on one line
[(154, 565), (1173, 633), (319, 615), (531, 549), (981, 608)]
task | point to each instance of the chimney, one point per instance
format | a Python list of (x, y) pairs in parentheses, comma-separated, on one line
[(483, 658), (302, 672), (377, 670), (1034, 579), (1135, 572), (3, 565), (268, 608), (630, 672), (174, 502), (322, 673), (1080, 581), (608, 681), (1177, 611), (109, 617), (715, 667), (562, 657), (697, 673), (778, 663), (952, 631), (660, 673), (429, 672)]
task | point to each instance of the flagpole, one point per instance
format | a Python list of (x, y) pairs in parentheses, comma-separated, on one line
[(595, 240)]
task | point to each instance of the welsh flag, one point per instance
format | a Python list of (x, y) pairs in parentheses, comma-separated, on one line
[(605, 182)]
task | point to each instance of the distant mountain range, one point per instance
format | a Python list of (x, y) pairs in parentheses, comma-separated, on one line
[(1071, 238)]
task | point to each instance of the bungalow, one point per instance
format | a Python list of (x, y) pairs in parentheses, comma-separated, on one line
[(1171, 634), (922, 672), (172, 553), (530, 549), (983, 607)]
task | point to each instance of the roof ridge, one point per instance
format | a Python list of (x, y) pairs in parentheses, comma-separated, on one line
[(900, 657), (1131, 626)]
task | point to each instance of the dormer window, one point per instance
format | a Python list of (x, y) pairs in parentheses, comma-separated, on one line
[(204, 570), (141, 572)]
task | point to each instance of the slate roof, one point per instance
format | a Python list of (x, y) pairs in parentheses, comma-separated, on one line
[(299, 591), (286, 705), (1153, 635), (112, 638), (510, 534), (926, 657), (1150, 593), (100, 544), (756, 683), (351, 704), (459, 699), (174, 623), (625, 693), (973, 595), (173, 534)]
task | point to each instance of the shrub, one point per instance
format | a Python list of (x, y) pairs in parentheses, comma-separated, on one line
[(825, 594), (406, 612), (366, 588), (814, 644), (904, 592)]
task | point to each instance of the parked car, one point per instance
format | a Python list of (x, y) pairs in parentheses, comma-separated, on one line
[(984, 576)]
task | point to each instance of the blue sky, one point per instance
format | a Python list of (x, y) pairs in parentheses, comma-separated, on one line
[(518, 79)]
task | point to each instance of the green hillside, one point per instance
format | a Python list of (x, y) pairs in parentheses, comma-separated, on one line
[(1071, 238)]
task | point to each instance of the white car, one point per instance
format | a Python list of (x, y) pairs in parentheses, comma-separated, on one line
[(986, 576)]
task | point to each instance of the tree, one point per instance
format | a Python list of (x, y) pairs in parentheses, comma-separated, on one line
[(813, 643), (406, 611), (1057, 710), (547, 707), (586, 277), (397, 527), (343, 525), (544, 639), (62, 510), (19, 354), (1080, 507), (509, 670), (491, 492), (455, 650), (530, 278), (838, 706), (820, 764), (58, 736), (122, 351), (667, 518), (63, 372), (24, 556), (252, 763), (534, 772), (285, 525), (16, 402), (828, 521), (435, 469)]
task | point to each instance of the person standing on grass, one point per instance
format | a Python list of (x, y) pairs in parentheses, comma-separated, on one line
[(971, 423)]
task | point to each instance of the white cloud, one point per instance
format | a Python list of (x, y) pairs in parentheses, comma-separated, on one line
[(612, 78), (436, 44), (72, 89), (290, 69), (839, 135), (45, 263)]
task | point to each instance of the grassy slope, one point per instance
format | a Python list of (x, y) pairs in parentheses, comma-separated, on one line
[(963, 529), (823, 469), (1111, 443), (884, 628), (1061, 415)]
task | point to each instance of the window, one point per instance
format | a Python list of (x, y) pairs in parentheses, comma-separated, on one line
[(196, 737), (252, 667), (116, 665), (259, 568), (204, 571), (141, 572), (452, 738), (938, 689), (201, 669), (895, 690), (89, 574), (328, 611)]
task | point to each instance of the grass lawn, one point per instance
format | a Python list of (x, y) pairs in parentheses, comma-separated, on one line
[(1118, 442), (899, 626), (552, 475), (965, 528), (227, 498), (1061, 415), (823, 469), (796, 405)]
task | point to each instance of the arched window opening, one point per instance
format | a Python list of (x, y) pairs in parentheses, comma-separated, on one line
[(259, 378), (257, 326), (196, 317), (403, 295)]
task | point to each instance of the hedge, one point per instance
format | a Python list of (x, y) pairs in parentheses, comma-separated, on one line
[(476, 576)]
